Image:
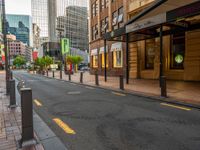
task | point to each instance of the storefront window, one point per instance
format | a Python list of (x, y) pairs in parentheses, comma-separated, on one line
[(117, 59), (177, 51), (95, 61), (103, 60), (149, 53)]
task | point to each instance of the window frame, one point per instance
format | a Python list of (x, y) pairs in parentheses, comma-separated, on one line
[(95, 61), (178, 37), (146, 52), (115, 65), (103, 60)]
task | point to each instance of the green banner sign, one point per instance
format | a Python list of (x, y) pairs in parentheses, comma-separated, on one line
[(65, 46)]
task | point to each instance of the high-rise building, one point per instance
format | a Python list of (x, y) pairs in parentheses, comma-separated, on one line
[(75, 26), (36, 36), (21, 27), (40, 15), (52, 14)]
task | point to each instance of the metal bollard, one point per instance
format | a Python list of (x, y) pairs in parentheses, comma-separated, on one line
[(69, 76), (27, 117), (12, 94), (47, 73), (96, 79), (53, 74), (60, 74), (163, 86), (81, 77), (121, 82), (11, 75)]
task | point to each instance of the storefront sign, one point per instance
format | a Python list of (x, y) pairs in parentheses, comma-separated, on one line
[(54, 66), (116, 46), (94, 52), (145, 23), (65, 46), (102, 50), (182, 12)]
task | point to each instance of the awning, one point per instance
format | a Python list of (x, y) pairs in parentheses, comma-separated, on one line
[(116, 46), (94, 52), (145, 23), (102, 50), (155, 14)]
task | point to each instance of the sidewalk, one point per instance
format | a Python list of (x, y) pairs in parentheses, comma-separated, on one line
[(188, 92), (10, 122)]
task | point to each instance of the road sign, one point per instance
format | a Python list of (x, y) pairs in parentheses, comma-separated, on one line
[(54, 66)]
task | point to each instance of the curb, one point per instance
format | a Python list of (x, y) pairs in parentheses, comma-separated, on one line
[(152, 97), (45, 135)]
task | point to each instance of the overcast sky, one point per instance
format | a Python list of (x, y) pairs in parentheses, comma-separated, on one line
[(18, 7)]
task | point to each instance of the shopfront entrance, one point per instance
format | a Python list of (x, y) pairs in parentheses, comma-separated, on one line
[(166, 43)]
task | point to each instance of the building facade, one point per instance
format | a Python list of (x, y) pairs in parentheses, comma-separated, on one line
[(155, 41), (106, 16), (16, 48), (21, 27), (36, 36), (74, 26), (28, 53), (39, 9)]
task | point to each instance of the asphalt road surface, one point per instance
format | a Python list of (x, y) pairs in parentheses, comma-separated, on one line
[(87, 118)]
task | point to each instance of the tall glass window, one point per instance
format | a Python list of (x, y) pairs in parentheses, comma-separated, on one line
[(177, 51), (149, 53)]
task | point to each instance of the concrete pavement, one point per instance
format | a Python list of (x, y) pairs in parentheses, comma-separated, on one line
[(89, 118), (186, 92)]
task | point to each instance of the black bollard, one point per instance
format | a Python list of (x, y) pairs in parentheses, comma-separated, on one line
[(81, 77), (27, 117), (11, 75), (69, 76), (61, 74), (163, 86), (12, 94), (53, 74), (121, 82), (96, 79)]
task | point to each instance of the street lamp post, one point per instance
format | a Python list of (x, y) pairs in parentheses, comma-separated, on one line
[(61, 57), (5, 46)]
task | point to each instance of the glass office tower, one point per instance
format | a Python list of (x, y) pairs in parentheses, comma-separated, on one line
[(40, 15), (21, 27)]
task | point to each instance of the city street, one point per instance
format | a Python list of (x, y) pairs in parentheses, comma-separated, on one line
[(89, 118)]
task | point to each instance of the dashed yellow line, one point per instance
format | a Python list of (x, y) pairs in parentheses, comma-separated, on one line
[(64, 126), (175, 106), (37, 102), (118, 94)]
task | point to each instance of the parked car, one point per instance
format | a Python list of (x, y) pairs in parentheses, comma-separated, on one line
[(84, 68)]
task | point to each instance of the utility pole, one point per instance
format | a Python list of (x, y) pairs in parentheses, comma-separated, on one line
[(5, 46), (61, 57)]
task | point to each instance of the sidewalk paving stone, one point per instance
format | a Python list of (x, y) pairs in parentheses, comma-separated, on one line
[(10, 122)]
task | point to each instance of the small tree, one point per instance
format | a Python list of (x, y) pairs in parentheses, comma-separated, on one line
[(48, 61), (19, 61), (75, 60)]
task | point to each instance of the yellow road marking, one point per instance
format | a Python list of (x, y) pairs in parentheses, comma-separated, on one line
[(64, 126), (118, 94), (175, 106), (37, 102)]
